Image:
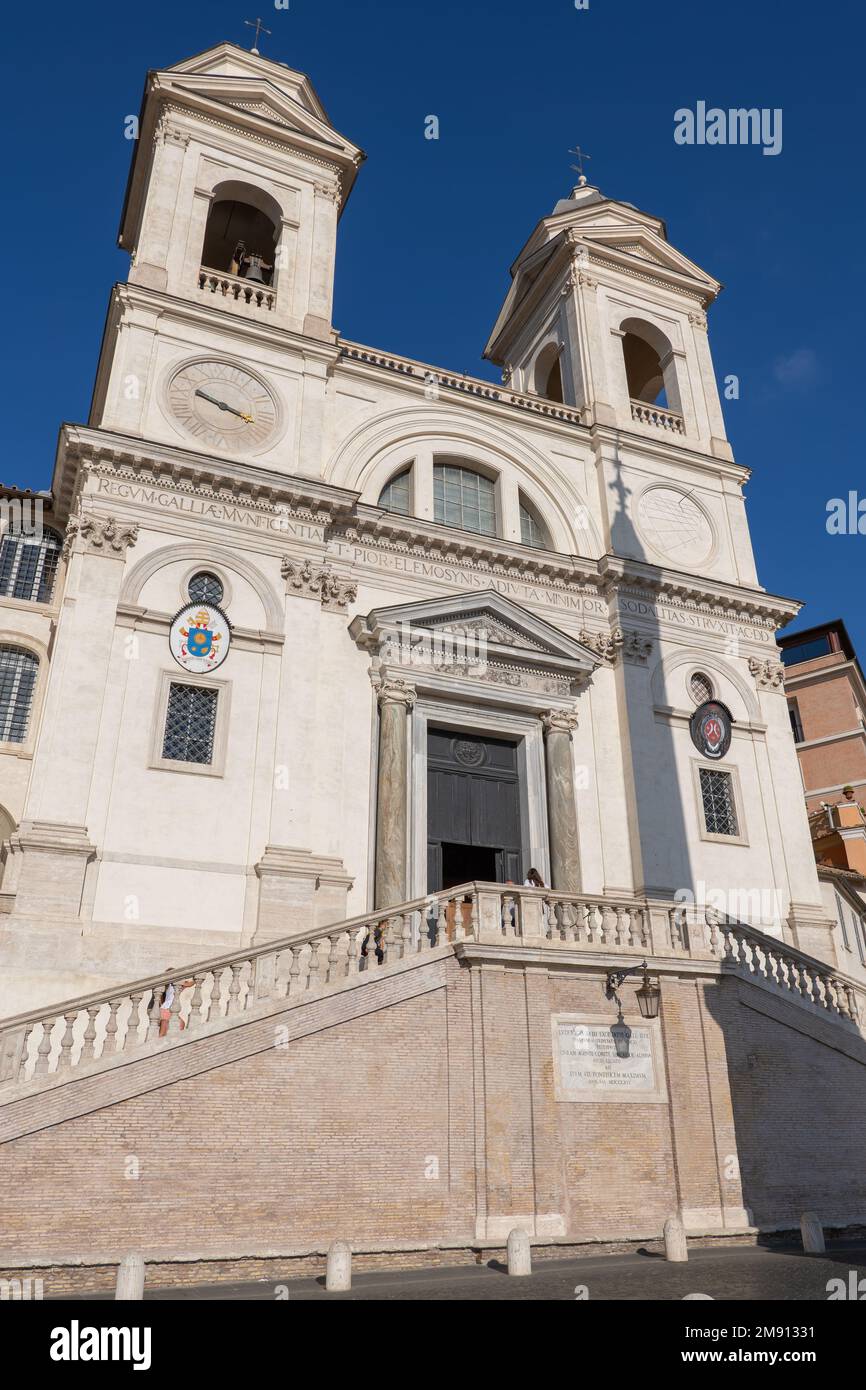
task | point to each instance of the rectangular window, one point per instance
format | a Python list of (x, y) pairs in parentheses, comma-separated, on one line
[(796, 721), (190, 722), (720, 808), (840, 913)]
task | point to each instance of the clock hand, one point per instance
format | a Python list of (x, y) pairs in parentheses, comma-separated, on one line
[(221, 405)]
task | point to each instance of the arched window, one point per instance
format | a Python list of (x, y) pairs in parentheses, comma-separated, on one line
[(649, 365), (462, 497), (18, 672), (241, 237), (548, 374), (7, 825), (396, 496), (532, 528), (28, 565), (205, 587)]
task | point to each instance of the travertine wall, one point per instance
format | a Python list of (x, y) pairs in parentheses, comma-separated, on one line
[(420, 1109)]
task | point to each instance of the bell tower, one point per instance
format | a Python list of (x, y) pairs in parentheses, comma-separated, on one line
[(605, 315), (230, 218)]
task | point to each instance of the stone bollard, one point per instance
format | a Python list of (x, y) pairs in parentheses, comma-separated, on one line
[(338, 1271), (676, 1248), (129, 1287), (519, 1255), (687, 1296), (813, 1233)]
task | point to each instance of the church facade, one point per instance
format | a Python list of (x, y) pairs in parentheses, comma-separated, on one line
[(313, 629)]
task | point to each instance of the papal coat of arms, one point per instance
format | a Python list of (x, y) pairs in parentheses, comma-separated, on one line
[(200, 637)]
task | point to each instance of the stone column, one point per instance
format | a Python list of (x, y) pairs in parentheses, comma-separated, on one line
[(561, 805), (396, 699)]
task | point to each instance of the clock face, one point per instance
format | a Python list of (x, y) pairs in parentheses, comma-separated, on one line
[(222, 406)]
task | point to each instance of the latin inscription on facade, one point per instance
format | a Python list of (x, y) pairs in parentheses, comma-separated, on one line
[(592, 1064)]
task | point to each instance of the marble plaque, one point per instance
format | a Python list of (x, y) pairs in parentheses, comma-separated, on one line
[(587, 1066)]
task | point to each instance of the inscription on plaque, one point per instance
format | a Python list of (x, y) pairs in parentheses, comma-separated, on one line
[(591, 1067)]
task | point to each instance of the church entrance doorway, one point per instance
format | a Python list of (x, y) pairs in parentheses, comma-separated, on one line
[(473, 809)]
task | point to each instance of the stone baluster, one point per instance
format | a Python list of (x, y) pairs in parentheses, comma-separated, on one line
[(234, 989), (295, 984), (156, 998), (43, 1051), (474, 922), (214, 1010), (64, 1057), (195, 1009), (571, 913), (853, 1004), (133, 1023), (88, 1044), (353, 953), (174, 1008), (109, 1043), (442, 922)]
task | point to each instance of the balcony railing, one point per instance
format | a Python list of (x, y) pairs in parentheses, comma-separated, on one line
[(250, 292), (660, 419), (90, 1032)]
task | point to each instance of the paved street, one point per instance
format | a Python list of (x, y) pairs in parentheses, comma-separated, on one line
[(724, 1273)]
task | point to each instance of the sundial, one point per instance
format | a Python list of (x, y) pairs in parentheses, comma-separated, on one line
[(675, 526)]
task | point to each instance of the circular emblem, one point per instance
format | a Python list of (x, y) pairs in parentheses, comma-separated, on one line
[(200, 637), (710, 727), (468, 753)]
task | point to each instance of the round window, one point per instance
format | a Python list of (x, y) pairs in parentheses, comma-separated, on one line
[(701, 688), (205, 588)]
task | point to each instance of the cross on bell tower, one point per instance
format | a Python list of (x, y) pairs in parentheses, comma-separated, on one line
[(259, 28)]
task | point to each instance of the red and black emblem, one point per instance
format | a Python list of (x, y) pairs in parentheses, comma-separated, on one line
[(710, 727)]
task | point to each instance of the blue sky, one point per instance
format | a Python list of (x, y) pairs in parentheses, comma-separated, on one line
[(432, 226)]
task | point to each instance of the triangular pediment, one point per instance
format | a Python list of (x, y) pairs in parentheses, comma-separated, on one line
[(227, 60), (290, 107), (509, 631)]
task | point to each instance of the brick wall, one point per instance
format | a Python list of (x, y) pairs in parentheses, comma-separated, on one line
[(432, 1119)]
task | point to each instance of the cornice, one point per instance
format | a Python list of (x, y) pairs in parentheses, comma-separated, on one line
[(87, 452), (679, 453), (127, 293), (633, 578)]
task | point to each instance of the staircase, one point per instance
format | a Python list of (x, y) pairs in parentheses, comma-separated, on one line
[(46, 1048)]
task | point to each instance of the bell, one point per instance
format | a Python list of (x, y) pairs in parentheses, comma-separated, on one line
[(254, 270)]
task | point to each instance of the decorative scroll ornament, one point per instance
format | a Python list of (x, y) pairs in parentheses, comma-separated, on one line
[(395, 692), (768, 674), (199, 638), (631, 646), (562, 721), (711, 727), (335, 593), (103, 535)]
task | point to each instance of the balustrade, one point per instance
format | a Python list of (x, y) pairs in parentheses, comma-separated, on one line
[(162, 1011), (657, 417), (233, 287)]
